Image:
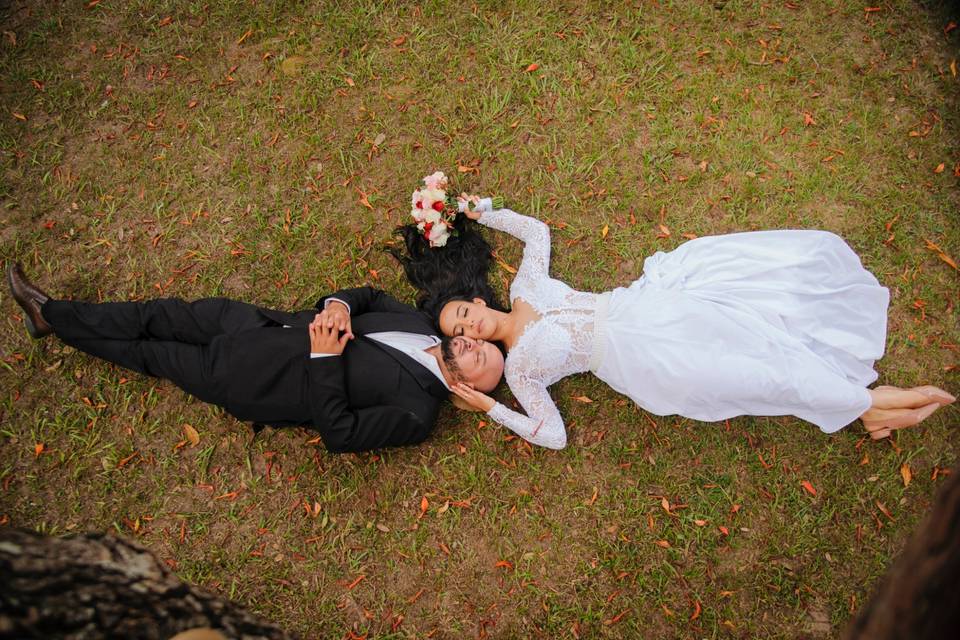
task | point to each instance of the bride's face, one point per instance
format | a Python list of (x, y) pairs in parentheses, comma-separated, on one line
[(471, 319)]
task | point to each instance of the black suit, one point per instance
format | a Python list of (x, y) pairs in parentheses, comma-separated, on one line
[(244, 359)]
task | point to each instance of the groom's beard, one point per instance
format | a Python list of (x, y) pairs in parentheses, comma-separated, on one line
[(449, 358)]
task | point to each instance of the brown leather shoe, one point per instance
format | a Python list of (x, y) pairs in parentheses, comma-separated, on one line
[(30, 299)]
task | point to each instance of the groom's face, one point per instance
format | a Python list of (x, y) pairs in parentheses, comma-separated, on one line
[(475, 362)]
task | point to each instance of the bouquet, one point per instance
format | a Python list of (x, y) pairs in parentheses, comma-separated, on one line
[(434, 209)]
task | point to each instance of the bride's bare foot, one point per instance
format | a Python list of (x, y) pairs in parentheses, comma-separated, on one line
[(887, 397), (880, 422)]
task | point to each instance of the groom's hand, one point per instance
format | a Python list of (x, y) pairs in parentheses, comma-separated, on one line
[(337, 316), (323, 339)]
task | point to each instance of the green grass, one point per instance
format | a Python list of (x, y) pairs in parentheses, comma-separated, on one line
[(174, 156)]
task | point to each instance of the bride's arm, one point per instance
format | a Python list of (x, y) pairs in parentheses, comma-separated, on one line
[(534, 233), (543, 424)]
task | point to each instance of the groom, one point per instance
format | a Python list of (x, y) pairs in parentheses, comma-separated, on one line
[(365, 372)]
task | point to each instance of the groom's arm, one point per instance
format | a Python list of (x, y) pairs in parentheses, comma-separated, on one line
[(345, 429), (365, 300)]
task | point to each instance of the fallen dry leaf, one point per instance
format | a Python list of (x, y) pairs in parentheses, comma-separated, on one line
[(906, 474), (191, 434), (696, 610), (808, 487), (533, 67), (940, 167)]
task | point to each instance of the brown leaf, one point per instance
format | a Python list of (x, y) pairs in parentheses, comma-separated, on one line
[(424, 505), (191, 434), (940, 254), (19, 116), (662, 543), (906, 474), (696, 610), (808, 119), (883, 509), (593, 498), (940, 167), (399, 41), (583, 399), (533, 67), (605, 231)]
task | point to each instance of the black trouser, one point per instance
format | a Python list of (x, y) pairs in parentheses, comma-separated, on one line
[(168, 337)]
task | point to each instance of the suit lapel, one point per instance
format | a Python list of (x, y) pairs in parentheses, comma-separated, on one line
[(424, 377)]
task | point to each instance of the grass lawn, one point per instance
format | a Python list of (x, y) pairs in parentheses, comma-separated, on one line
[(264, 150)]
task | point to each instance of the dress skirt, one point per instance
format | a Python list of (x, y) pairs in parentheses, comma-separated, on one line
[(767, 323)]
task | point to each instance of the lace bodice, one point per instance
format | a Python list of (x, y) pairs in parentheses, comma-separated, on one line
[(560, 343)]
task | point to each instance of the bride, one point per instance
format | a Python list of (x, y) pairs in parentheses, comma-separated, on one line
[(765, 323)]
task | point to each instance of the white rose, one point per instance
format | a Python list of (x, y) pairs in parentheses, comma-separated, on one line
[(438, 235), (433, 195), (429, 215)]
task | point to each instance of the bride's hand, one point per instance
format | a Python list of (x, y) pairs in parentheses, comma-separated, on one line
[(476, 400), (470, 203)]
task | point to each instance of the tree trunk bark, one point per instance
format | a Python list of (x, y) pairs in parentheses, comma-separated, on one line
[(99, 586), (919, 597)]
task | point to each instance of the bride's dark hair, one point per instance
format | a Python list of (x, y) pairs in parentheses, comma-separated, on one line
[(455, 271)]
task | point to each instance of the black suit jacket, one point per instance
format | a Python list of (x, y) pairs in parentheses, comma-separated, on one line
[(371, 396)]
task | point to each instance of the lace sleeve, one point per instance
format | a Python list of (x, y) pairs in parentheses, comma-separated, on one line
[(543, 424), (534, 233)]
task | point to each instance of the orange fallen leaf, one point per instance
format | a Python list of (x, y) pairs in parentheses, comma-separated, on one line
[(504, 564), (533, 67), (19, 116), (906, 474), (191, 434), (665, 504), (349, 81), (605, 231), (583, 399), (808, 119), (940, 167), (883, 509), (617, 618), (696, 610), (700, 523), (724, 530), (593, 498), (355, 582), (399, 41), (246, 35), (808, 487), (424, 505), (363, 199), (38, 449), (940, 253), (662, 543), (130, 457)]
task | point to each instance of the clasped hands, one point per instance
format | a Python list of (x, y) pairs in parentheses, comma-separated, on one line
[(330, 330)]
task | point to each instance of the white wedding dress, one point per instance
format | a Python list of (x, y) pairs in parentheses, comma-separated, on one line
[(766, 323)]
